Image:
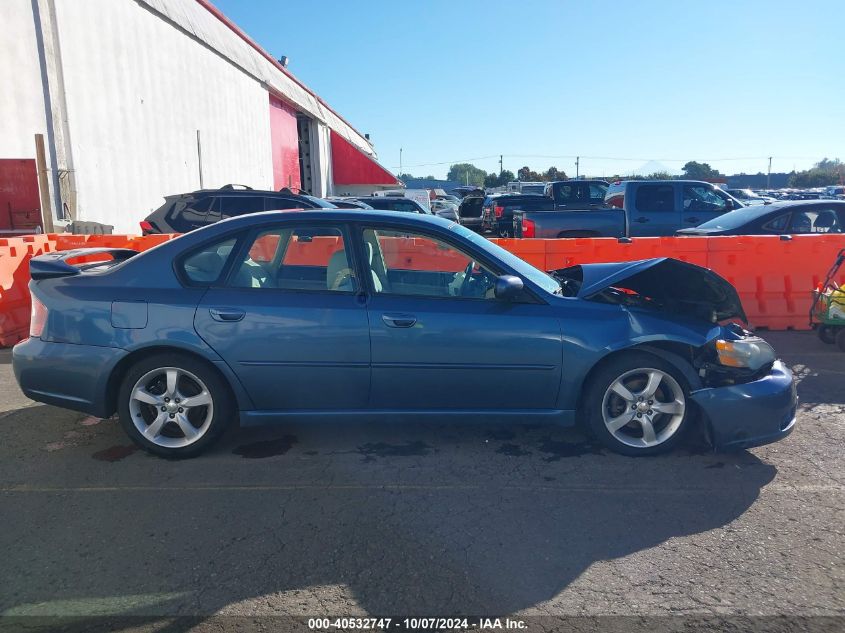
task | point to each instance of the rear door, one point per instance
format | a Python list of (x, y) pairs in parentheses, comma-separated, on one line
[(290, 320), (654, 209)]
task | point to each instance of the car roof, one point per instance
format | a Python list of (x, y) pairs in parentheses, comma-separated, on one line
[(244, 192), (337, 215)]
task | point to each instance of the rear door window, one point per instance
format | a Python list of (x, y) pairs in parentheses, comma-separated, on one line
[(815, 220), (297, 258), (652, 198), (777, 225), (279, 204), (232, 206), (597, 193)]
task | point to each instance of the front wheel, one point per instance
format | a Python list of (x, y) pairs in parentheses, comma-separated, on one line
[(638, 404), (173, 405)]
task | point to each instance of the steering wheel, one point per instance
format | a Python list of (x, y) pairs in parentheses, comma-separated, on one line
[(470, 282)]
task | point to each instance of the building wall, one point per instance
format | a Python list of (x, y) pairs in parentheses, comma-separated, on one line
[(22, 97), (134, 110), (139, 99)]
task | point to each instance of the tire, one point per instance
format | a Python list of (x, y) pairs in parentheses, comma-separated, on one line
[(618, 394), (840, 339), (154, 409), (827, 334)]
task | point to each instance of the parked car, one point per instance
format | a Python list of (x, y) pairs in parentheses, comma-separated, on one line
[(267, 317), (573, 208), (445, 209), (778, 218), (189, 211), (498, 210), (405, 205), (748, 197), (470, 211), (662, 207), (348, 203)]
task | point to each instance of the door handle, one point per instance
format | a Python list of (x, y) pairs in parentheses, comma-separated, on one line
[(692, 220), (226, 314), (399, 320), (641, 220)]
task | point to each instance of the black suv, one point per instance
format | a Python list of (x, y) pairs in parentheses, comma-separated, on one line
[(188, 211)]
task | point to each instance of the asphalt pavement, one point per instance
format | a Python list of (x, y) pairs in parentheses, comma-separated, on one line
[(355, 519)]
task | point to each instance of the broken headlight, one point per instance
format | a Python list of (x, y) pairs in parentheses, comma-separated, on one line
[(748, 353)]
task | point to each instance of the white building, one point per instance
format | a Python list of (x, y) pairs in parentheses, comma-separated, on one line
[(138, 99)]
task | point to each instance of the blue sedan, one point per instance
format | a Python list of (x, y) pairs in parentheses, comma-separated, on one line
[(300, 314)]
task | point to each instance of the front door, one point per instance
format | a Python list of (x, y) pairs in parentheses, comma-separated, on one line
[(291, 321), (702, 203), (441, 341)]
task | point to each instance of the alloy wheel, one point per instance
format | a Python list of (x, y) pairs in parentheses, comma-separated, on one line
[(643, 408), (171, 407)]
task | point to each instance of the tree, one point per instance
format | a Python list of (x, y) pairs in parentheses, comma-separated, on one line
[(466, 174), (505, 177), (699, 171), (491, 180), (825, 172), (553, 173), (661, 175)]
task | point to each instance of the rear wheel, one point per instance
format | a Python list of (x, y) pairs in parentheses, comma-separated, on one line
[(840, 339), (638, 404), (173, 405), (827, 334)]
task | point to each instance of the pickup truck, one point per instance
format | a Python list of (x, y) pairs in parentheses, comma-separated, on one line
[(633, 208), (573, 208), (498, 209)]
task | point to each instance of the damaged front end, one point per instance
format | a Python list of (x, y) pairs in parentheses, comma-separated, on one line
[(663, 284), (747, 396), (672, 287)]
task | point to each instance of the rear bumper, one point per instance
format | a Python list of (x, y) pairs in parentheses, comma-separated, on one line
[(66, 375), (751, 414)]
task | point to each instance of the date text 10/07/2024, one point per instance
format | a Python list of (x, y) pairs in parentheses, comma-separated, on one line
[(434, 624)]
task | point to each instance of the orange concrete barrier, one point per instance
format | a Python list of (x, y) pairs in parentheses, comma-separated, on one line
[(774, 277)]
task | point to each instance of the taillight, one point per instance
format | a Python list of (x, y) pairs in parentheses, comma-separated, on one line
[(38, 317), (147, 228), (499, 211), (528, 228)]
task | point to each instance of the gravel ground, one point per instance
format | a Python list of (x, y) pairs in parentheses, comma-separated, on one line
[(355, 519)]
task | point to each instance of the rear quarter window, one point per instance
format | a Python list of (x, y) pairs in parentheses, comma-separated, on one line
[(204, 265)]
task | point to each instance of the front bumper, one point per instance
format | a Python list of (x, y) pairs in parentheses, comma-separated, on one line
[(66, 375), (753, 413)]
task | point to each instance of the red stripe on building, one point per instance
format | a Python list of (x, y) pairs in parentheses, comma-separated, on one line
[(351, 166), (284, 140)]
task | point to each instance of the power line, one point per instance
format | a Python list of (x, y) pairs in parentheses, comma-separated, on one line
[(608, 158)]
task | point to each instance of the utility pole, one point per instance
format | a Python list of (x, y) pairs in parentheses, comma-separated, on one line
[(501, 169), (400, 160), (769, 175), (577, 166)]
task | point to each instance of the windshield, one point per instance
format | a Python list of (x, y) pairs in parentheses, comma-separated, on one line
[(735, 219), (522, 267)]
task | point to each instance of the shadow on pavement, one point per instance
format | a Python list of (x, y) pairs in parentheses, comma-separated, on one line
[(392, 525)]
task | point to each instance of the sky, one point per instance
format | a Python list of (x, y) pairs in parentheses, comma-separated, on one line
[(618, 83)]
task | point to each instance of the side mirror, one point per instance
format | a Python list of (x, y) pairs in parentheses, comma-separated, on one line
[(508, 287)]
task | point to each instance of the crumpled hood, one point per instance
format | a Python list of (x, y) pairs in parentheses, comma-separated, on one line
[(665, 283)]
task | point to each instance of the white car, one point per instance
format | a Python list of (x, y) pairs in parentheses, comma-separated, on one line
[(748, 197)]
